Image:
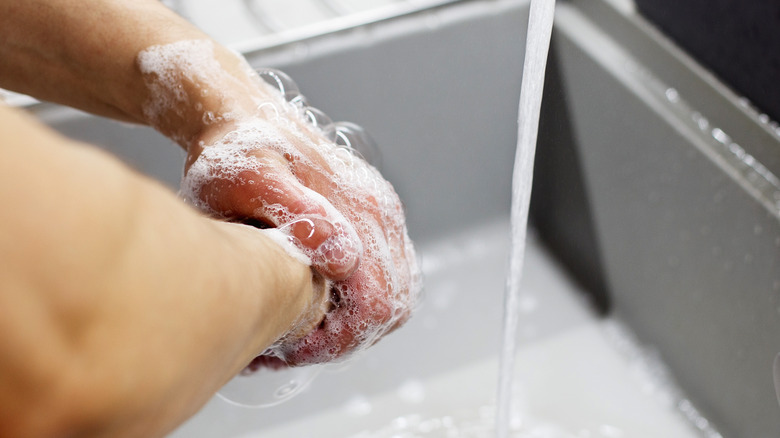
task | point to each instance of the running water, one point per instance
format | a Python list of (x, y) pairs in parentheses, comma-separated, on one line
[(540, 22)]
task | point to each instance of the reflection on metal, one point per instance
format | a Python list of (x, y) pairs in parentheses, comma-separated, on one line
[(334, 16)]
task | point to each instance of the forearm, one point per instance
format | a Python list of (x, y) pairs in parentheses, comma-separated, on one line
[(84, 53), (122, 310)]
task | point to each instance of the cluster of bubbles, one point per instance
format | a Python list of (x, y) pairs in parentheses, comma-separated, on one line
[(363, 315), (347, 135), (327, 173), (362, 309)]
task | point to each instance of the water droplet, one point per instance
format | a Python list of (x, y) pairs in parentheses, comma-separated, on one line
[(721, 136), (700, 121), (672, 95), (412, 391), (358, 406), (735, 149), (701, 422)]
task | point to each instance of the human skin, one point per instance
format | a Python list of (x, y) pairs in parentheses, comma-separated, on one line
[(85, 54), (121, 309), (125, 325)]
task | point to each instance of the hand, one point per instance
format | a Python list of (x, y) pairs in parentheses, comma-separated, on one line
[(207, 98), (257, 173), (278, 170)]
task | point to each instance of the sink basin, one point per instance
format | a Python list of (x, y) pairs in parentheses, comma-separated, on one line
[(438, 375)]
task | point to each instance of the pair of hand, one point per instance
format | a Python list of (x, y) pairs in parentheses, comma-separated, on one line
[(277, 169)]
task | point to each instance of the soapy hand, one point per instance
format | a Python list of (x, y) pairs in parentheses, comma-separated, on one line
[(253, 172), (277, 168), (257, 153)]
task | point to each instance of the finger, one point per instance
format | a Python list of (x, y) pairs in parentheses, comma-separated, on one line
[(362, 311), (374, 301), (265, 190)]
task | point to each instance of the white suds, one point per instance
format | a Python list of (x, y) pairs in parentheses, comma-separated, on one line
[(276, 156)]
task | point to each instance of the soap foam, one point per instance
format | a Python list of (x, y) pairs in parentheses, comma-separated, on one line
[(232, 157), (167, 67), (363, 212), (285, 242), (173, 71), (381, 293)]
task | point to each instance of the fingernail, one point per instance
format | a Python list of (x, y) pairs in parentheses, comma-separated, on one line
[(334, 249), (310, 232), (342, 252)]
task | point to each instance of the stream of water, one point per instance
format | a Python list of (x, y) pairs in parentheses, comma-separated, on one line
[(540, 23)]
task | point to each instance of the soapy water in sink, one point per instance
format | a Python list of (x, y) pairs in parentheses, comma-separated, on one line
[(648, 373)]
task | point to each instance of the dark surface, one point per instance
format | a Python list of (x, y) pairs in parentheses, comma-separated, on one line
[(738, 40), (560, 209)]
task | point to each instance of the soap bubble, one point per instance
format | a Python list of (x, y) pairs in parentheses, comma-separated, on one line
[(284, 83), (321, 121), (354, 138), (266, 387), (345, 134)]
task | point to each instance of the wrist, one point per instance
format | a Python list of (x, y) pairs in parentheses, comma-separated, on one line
[(196, 88), (282, 293)]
